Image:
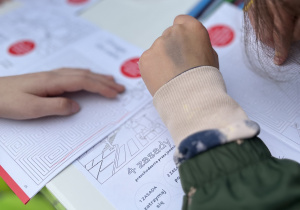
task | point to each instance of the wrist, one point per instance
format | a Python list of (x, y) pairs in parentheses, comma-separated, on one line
[(195, 101)]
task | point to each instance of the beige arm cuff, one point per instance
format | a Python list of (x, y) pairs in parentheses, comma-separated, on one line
[(195, 101)]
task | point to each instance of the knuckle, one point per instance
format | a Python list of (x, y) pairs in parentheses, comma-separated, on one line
[(148, 54), (60, 69), (110, 78), (167, 31), (177, 29), (158, 43), (29, 113), (108, 92), (179, 18), (87, 70), (62, 104), (202, 31), (84, 73), (79, 81), (81, 78), (200, 27), (32, 111), (185, 19), (184, 23)]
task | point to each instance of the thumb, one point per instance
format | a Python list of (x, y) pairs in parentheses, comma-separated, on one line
[(53, 106)]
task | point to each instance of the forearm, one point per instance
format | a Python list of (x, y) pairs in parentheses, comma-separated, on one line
[(222, 164), (221, 161)]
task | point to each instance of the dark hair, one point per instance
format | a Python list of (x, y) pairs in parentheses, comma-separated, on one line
[(259, 33)]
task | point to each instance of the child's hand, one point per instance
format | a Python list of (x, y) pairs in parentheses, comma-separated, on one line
[(184, 45), (31, 96)]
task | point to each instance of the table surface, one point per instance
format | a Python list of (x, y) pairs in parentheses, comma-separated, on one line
[(139, 22)]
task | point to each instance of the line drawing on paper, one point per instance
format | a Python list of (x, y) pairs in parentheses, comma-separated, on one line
[(105, 159)]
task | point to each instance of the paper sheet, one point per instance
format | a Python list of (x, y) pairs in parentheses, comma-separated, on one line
[(133, 167), (36, 34), (119, 166), (273, 105), (32, 152)]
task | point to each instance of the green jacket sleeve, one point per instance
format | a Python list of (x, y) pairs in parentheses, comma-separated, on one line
[(240, 175)]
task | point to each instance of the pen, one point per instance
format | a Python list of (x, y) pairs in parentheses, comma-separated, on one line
[(199, 8), (210, 9)]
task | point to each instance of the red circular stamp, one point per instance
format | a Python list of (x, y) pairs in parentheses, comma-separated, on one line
[(21, 47), (130, 68), (77, 1), (220, 35)]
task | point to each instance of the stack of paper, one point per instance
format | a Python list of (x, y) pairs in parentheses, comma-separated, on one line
[(132, 166), (33, 152)]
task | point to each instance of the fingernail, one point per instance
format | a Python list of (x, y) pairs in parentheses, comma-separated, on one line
[(277, 61), (122, 88), (277, 58), (75, 107)]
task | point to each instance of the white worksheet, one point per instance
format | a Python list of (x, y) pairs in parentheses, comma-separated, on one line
[(35, 35), (274, 105), (133, 167), (32, 152)]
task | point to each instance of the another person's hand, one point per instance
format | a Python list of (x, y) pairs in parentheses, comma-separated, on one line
[(277, 24), (182, 46), (31, 96)]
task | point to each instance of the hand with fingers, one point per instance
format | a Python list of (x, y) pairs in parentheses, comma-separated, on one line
[(183, 46), (211, 132), (36, 95), (276, 24)]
